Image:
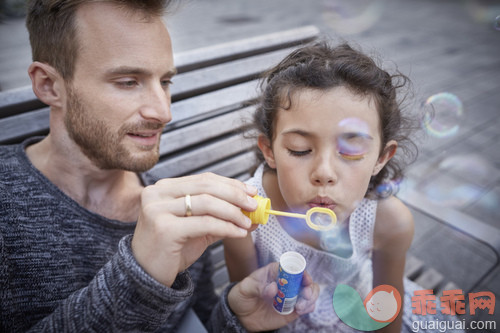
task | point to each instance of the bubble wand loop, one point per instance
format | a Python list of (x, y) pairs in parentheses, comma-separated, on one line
[(261, 214)]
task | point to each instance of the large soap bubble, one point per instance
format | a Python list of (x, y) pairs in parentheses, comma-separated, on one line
[(354, 140), (353, 16), (443, 114)]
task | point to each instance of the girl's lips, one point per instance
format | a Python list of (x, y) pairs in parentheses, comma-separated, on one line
[(322, 202), (331, 207)]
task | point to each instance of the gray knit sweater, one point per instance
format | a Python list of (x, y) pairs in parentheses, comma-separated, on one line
[(66, 269)]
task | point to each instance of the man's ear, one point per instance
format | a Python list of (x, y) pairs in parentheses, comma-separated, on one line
[(47, 83), (265, 147), (388, 152)]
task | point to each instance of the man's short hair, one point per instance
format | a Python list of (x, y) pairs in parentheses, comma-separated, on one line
[(52, 29)]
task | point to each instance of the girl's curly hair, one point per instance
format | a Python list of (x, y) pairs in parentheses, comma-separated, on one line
[(321, 66)]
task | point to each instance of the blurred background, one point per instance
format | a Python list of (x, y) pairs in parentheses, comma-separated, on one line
[(450, 49)]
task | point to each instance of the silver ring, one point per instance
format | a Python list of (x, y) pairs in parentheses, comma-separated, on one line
[(187, 201)]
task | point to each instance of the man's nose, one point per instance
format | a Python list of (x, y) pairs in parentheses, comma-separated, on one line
[(157, 104)]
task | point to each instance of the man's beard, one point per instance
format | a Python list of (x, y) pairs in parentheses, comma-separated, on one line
[(102, 146)]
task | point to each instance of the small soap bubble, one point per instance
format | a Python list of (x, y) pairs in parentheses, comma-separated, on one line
[(329, 240), (388, 188), (321, 219), (337, 241), (443, 113)]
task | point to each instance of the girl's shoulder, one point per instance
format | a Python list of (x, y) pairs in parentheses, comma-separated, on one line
[(393, 225)]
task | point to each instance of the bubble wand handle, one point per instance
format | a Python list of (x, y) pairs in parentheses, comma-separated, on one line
[(277, 212), (261, 214)]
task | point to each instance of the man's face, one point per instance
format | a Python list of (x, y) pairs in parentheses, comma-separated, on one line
[(119, 100)]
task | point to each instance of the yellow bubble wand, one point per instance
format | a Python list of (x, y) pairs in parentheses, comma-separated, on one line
[(261, 214)]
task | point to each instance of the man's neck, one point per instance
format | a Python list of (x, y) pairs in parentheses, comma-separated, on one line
[(114, 194)]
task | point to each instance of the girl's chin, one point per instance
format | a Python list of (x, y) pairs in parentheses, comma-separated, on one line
[(342, 218)]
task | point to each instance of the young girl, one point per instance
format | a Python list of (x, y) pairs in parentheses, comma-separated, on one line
[(329, 124)]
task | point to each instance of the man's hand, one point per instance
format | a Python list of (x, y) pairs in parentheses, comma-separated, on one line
[(166, 241), (251, 300)]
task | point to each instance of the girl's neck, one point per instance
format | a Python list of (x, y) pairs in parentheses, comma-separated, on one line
[(270, 184)]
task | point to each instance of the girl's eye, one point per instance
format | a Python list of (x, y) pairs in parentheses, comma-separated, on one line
[(352, 157), (298, 152)]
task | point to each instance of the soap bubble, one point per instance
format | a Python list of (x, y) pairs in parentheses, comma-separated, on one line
[(471, 167), (482, 12), (497, 23), (457, 195), (443, 113), (336, 240), (321, 219), (328, 240), (354, 139), (352, 17), (388, 188), (459, 179)]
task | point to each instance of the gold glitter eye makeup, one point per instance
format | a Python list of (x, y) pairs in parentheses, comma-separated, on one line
[(354, 142), (352, 157)]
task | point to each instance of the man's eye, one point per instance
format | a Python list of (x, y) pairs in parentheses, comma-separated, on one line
[(166, 83), (127, 84), (298, 152)]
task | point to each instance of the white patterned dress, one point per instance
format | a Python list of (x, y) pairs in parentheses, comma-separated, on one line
[(327, 269)]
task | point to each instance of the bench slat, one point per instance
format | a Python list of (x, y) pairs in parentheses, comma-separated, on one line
[(18, 100), (234, 167), (19, 127), (216, 54), (208, 105), (224, 75), (204, 131), (201, 156)]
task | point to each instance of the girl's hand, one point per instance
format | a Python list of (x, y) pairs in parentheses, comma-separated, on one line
[(251, 300)]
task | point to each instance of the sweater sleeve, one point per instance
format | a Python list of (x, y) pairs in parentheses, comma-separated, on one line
[(121, 297), (223, 318)]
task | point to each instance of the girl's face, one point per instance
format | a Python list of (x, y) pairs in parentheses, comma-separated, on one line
[(325, 149)]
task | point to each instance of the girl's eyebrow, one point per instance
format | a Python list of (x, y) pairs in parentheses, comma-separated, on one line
[(298, 132), (345, 135)]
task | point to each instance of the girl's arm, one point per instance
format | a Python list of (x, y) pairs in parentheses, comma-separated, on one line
[(393, 235), (240, 256)]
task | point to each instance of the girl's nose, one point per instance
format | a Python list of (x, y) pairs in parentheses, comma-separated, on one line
[(324, 172)]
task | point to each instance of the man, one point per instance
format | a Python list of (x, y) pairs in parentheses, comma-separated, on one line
[(85, 243)]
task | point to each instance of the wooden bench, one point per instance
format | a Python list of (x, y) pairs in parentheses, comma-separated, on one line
[(210, 98)]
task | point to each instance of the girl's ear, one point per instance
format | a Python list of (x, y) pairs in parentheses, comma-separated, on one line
[(47, 83), (265, 147), (387, 154)]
